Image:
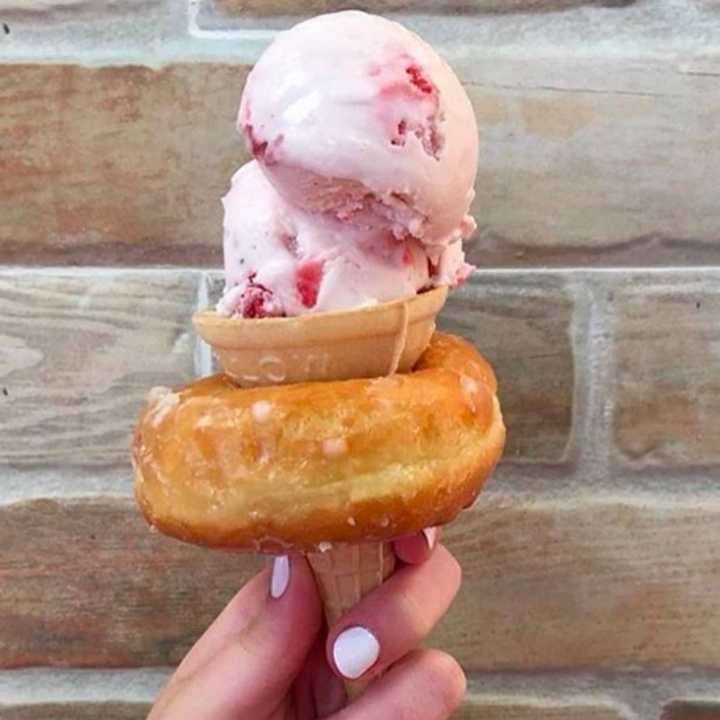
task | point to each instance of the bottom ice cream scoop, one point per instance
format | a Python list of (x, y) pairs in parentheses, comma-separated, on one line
[(283, 261)]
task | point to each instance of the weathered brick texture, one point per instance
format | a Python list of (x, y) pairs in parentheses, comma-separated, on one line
[(116, 165), (667, 371), (86, 584), (588, 583), (127, 163), (547, 586), (78, 355), (571, 170), (600, 148), (681, 710), (522, 324)]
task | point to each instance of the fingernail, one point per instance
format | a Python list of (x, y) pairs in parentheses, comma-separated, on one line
[(430, 536), (280, 576), (355, 651)]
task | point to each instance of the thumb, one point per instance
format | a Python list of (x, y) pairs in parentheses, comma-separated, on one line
[(254, 669)]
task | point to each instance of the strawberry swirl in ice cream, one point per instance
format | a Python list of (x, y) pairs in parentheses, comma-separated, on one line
[(281, 260), (365, 153)]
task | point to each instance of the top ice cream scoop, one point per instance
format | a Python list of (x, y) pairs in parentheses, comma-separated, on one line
[(357, 124)]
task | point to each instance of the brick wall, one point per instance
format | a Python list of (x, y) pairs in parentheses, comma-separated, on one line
[(592, 562)]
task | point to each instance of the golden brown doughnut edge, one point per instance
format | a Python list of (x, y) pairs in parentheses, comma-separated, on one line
[(295, 467)]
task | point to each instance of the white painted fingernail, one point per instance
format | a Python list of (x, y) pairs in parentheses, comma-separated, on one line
[(280, 576), (355, 651), (430, 536)]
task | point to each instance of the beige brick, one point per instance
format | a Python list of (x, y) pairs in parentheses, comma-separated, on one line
[(78, 354), (681, 710), (579, 156), (126, 165), (595, 155), (601, 584), (85, 583), (667, 372), (75, 711), (523, 326), (479, 707)]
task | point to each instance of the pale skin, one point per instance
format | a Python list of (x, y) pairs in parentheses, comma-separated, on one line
[(270, 658)]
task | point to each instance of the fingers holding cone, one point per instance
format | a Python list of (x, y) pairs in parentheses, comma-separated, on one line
[(245, 667), (425, 685), (392, 620)]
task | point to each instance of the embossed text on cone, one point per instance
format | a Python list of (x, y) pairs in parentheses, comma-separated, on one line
[(366, 342)]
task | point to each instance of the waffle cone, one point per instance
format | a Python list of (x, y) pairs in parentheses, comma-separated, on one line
[(365, 342), (344, 575)]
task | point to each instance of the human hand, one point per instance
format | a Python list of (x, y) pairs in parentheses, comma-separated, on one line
[(267, 657)]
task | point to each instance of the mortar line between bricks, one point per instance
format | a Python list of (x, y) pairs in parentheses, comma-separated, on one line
[(574, 271), (580, 331), (598, 355), (541, 699), (196, 44), (237, 33), (195, 31), (98, 271), (676, 485), (22, 686), (644, 500), (643, 693), (34, 483), (202, 355)]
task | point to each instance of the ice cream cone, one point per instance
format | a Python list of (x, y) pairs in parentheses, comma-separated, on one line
[(366, 342), (345, 574)]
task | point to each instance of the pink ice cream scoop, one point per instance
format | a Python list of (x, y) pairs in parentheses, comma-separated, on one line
[(366, 149), (280, 260)]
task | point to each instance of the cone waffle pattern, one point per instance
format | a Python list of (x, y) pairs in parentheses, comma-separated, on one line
[(345, 574)]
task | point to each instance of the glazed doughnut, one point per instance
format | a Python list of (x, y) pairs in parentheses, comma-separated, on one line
[(298, 467)]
